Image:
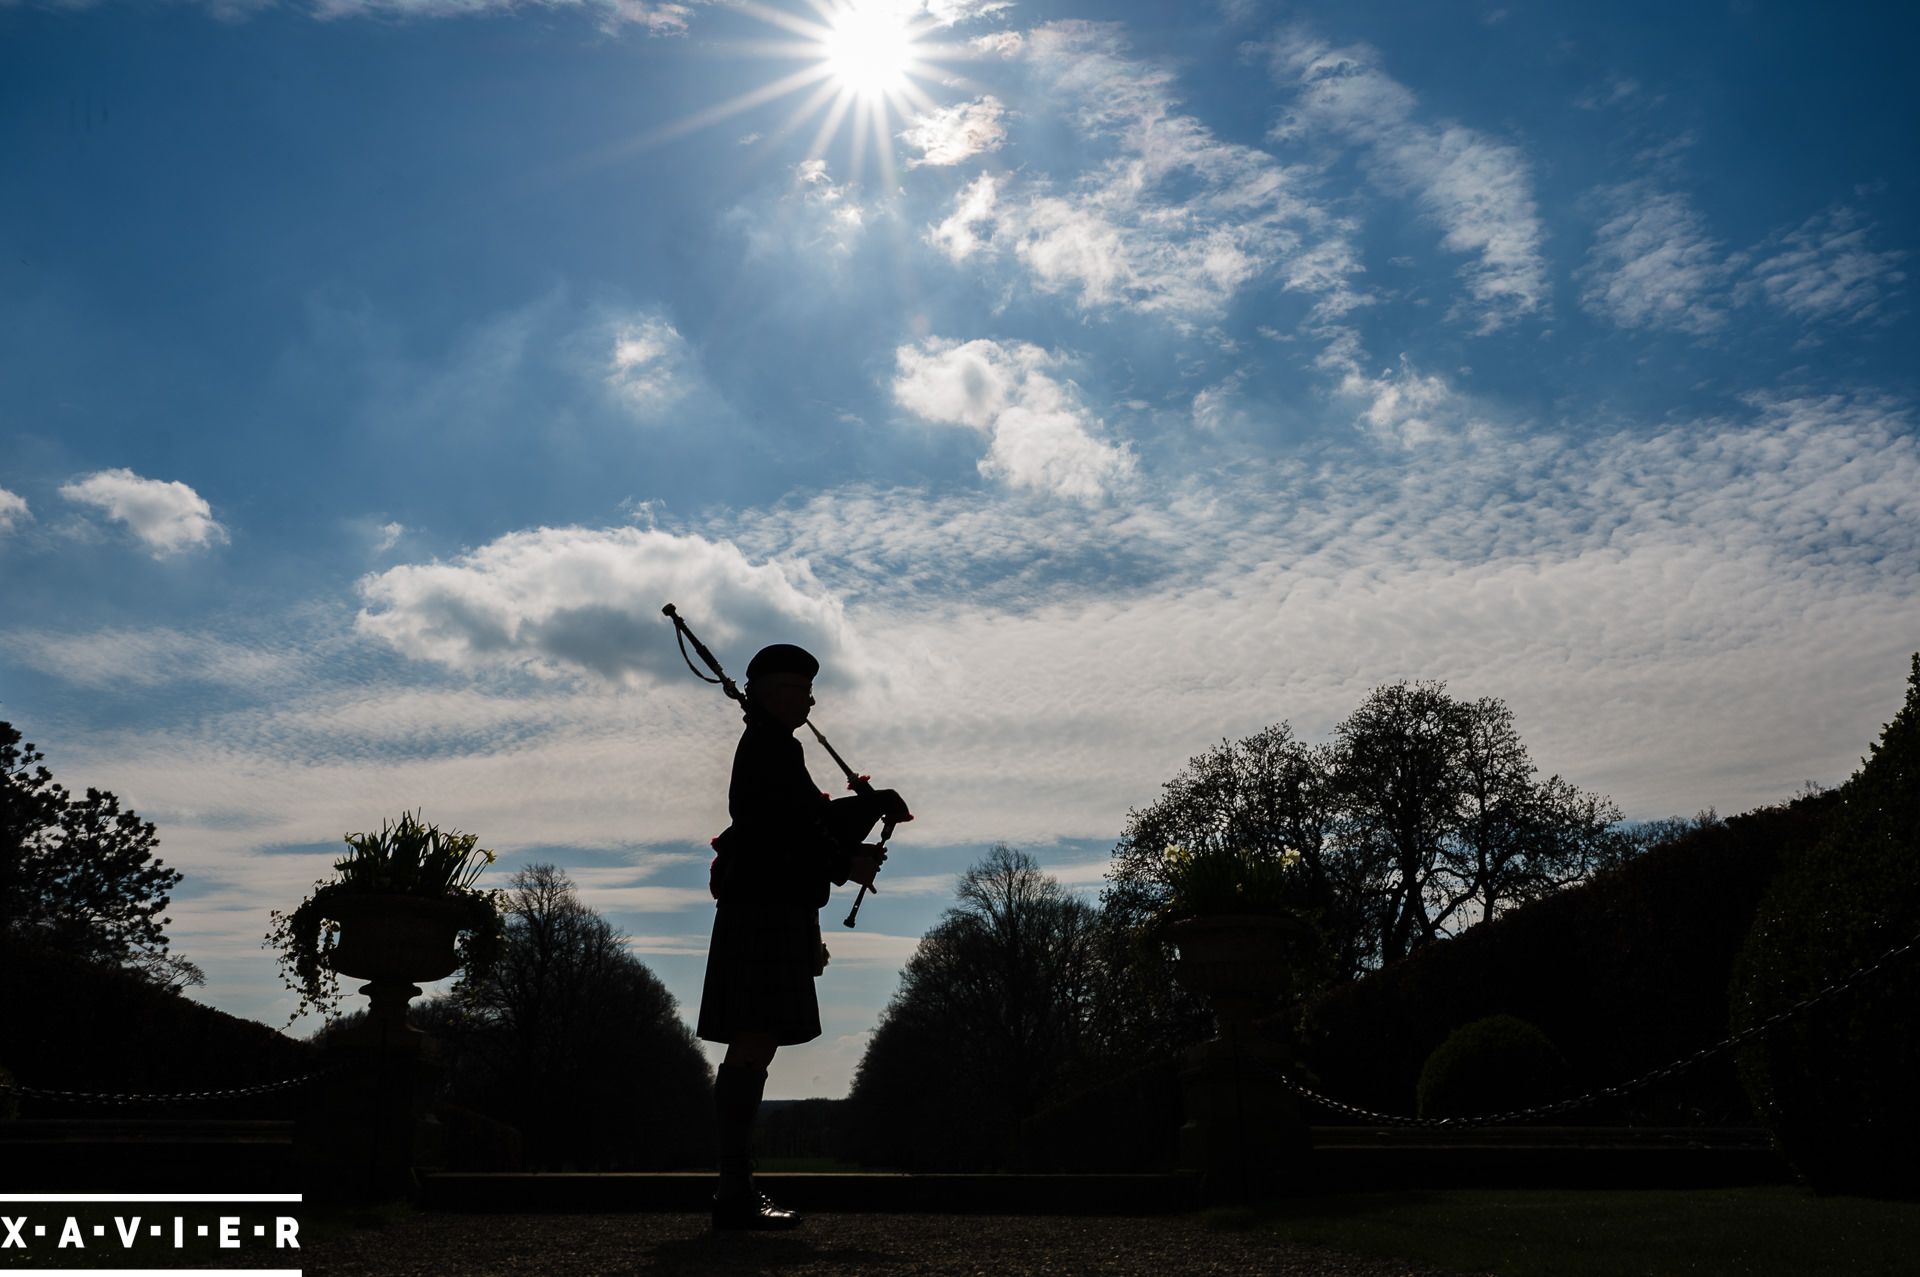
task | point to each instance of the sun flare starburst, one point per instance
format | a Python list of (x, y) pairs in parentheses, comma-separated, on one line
[(869, 49), (862, 63)]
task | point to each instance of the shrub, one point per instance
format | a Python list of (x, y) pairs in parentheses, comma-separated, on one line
[(1625, 973), (1835, 1084), (1493, 1065)]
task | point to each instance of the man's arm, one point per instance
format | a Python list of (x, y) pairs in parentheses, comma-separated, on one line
[(793, 830)]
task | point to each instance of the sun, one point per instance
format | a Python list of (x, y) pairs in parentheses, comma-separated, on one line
[(869, 48), (861, 66)]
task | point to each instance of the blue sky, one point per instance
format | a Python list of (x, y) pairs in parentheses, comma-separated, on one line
[(372, 370)]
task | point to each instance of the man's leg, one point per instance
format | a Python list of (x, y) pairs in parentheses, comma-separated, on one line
[(737, 1087)]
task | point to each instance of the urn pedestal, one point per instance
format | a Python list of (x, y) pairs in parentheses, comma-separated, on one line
[(1245, 1134), (369, 1125)]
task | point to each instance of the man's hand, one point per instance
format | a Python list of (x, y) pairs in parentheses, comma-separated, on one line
[(865, 863)]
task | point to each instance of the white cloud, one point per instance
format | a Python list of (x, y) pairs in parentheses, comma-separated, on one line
[(149, 657), (1042, 443), (1041, 437), (221, 10), (390, 534), (1003, 44), (656, 19), (1175, 222), (842, 215), (169, 517), (1653, 264), (1212, 407), (1616, 89), (1399, 405), (952, 12), (1657, 605), (1216, 407), (13, 510), (1479, 190), (968, 384), (950, 134), (1826, 270), (817, 218), (692, 944), (568, 600), (1069, 245), (648, 367), (1326, 270), (1407, 407), (651, 898), (955, 235), (1081, 876)]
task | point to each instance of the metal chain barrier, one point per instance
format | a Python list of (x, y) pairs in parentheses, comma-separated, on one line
[(1623, 1088), (113, 1097)]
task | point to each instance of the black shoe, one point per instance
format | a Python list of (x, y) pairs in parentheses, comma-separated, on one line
[(752, 1210)]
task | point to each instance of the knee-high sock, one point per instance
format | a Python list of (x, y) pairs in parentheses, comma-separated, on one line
[(736, 1101)]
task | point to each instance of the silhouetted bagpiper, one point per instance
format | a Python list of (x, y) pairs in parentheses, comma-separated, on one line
[(774, 869)]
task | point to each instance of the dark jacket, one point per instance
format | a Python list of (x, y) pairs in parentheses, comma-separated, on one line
[(773, 870), (789, 844)]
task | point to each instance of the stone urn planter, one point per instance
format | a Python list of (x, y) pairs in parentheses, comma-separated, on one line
[(395, 935), (1240, 963), (393, 913), (1245, 1134), (390, 940), (371, 1125)]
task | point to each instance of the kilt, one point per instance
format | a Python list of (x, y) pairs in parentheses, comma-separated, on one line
[(760, 967)]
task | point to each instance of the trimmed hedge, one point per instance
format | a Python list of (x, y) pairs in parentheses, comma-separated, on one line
[(74, 1025), (1836, 1084), (1626, 972)]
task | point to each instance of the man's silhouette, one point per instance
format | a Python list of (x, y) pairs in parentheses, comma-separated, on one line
[(775, 867)]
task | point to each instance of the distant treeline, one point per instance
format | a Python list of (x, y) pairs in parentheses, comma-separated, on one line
[(1033, 1031)]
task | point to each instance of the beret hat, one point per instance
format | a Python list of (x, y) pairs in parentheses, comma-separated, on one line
[(782, 658)]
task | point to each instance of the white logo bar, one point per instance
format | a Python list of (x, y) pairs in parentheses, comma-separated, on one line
[(149, 1197)]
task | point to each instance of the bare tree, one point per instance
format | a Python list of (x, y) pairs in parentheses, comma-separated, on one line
[(574, 1040), (553, 970), (1266, 794), (1397, 759), (990, 1013), (1037, 940), (1441, 795), (1423, 815)]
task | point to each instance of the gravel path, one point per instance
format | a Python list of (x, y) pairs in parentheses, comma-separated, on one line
[(438, 1245)]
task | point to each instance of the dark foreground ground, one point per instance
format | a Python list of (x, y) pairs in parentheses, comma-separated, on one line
[(836, 1244), (868, 1245), (1753, 1231)]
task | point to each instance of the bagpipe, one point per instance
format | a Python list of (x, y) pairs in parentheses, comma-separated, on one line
[(889, 806)]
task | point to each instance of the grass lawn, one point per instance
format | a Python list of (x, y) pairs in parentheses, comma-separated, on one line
[(1606, 1233)]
